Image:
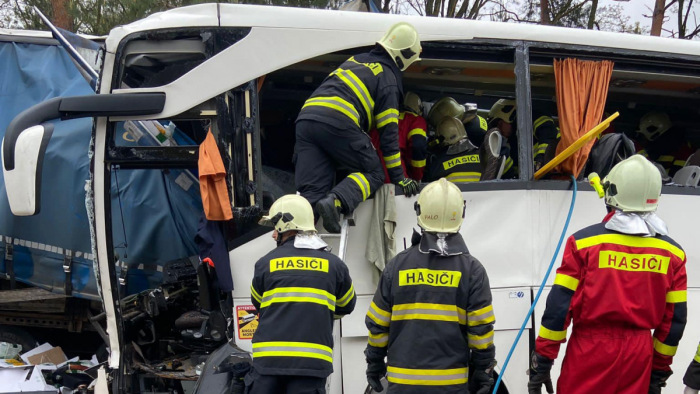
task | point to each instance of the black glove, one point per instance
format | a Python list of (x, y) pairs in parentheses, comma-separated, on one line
[(376, 369), (540, 366), (409, 186), (482, 380), (658, 381)]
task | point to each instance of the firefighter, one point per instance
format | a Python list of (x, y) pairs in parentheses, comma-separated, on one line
[(546, 136), (431, 315), (413, 139), (692, 375), (458, 159), (476, 128), (297, 289), (502, 116), (333, 125), (662, 143), (618, 280)]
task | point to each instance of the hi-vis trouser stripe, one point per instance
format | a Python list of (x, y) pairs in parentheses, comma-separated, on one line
[(378, 315), (664, 349), (426, 311), (674, 297), (552, 335), (539, 149), (298, 294), (481, 316), (362, 183), (464, 177), (679, 163), (389, 116), (378, 340), (417, 131), (697, 355), (292, 349), (418, 163), (393, 160), (360, 91), (255, 294), (344, 300), (337, 104), (480, 341), (427, 377)]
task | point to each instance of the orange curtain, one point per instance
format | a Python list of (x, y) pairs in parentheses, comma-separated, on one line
[(582, 88), (212, 181)]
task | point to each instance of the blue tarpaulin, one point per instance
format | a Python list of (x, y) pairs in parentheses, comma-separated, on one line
[(157, 209)]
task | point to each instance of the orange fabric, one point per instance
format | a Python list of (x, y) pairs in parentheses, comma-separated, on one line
[(212, 181), (582, 88)]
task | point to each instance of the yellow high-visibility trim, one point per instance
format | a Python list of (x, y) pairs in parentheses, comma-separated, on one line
[(344, 300), (415, 132), (457, 314), (679, 163), (336, 107), (360, 93), (255, 294), (552, 335), (665, 158), (542, 120), (418, 376), (378, 315), (431, 372), (392, 161), (327, 300), (378, 340), (379, 310), (480, 341), (630, 240), (697, 355), (390, 111), (481, 316), (674, 297), (509, 164), (278, 300), (420, 382), (567, 281), (418, 163), (293, 354), (362, 182), (464, 177), (391, 115), (393, 157), (664, 349), (293, 344)]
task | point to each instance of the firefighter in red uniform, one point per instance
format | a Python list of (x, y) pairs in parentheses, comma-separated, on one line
[(413, 140), (618, 280)]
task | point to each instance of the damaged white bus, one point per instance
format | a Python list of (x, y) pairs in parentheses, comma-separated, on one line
[(245, 71)]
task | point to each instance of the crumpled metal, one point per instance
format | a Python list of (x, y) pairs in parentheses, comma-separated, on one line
[(647, 224), (309, 240), (443, 244)]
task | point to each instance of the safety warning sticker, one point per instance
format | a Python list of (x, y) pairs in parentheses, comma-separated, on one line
[(247, 321)]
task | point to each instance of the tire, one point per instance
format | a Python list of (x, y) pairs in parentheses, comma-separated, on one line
[(18, 336)]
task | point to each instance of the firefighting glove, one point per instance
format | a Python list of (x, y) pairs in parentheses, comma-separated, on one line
[(540, 368), (482, 380), (376, 369), (409, 186), (658, 381)]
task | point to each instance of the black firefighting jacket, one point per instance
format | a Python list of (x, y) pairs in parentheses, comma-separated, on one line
[(460, 165), (363, 93), (297, 292), (432, 316)]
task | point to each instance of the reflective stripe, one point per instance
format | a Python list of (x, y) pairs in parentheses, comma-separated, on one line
[(393, 160), (337, 104), (427, 377), (552, 335), (292, 349), (362, 182), (418, 163), (567, 281), (664, 349), (389, 116), (415, 132), (542, 120), (464, 177), (298, 294), (480, 341), (674, 297), (378, 315), (697, 355), (360, 91), (509, 164), (426, 311), (665, 158), (481, 316), (378, 340), (540, 149), (679, 163), (255, 294), (344, 300), (630, 240)]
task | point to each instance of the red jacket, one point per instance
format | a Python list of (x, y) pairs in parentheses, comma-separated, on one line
[(413, 144), (612, 279)]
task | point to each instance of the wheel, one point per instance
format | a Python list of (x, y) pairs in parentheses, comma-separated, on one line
[(18, 336)]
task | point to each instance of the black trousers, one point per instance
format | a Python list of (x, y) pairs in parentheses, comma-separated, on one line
[(321, 150), (283, 384)]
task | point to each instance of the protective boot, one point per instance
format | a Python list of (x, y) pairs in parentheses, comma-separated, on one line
[(329, 209)]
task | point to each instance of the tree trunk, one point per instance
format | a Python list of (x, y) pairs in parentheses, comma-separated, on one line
[(657, 19), (591, 17), (61, 16), (544, 12), (681, 25)]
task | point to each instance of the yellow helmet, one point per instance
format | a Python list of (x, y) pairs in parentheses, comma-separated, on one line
[(290, 212), (446, 107), (413, 102), (653, 124), (402, 43), (451, 130), (503, 109), (440, 207), (633, 185)]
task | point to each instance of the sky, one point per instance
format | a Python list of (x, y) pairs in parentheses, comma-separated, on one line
[(636, 9)]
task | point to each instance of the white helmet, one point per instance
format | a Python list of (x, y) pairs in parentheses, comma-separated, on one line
[(653, 124), (503, 109), (446, 107), (633, 185), (451, 130), (402, 43), (290, 212), (440, 207), (413, 102)]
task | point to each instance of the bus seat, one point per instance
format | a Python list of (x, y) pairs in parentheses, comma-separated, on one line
[(687, 176), (492, 163), (665, 178), (694, 159)]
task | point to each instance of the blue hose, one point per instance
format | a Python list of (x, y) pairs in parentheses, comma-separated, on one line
[(539, 292)]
